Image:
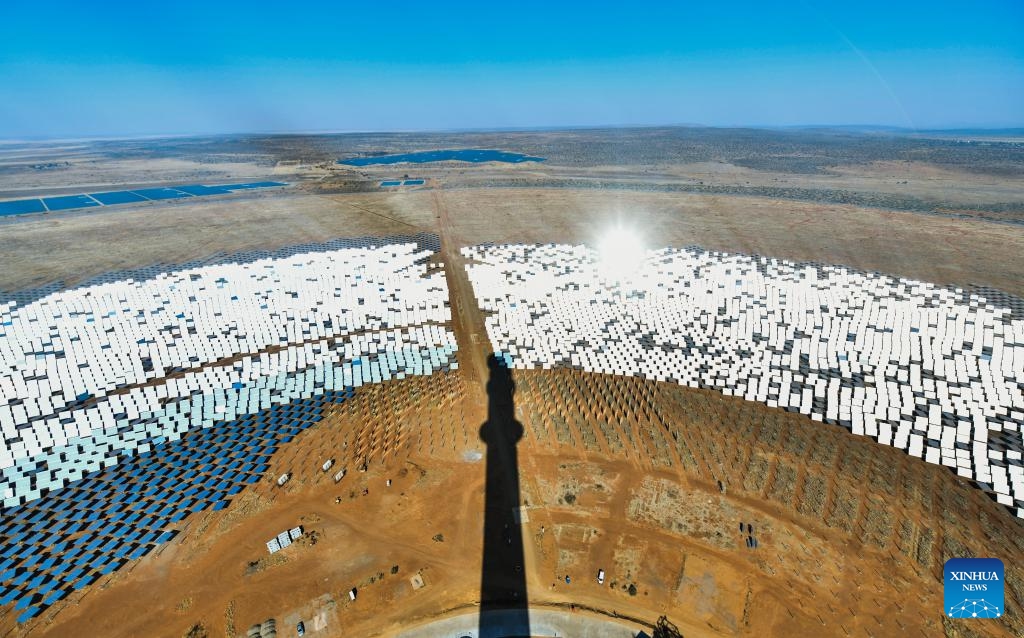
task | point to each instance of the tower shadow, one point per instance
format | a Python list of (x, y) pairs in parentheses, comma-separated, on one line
[(503, 603)]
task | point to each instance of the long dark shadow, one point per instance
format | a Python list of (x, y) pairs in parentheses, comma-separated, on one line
[(503, 602)]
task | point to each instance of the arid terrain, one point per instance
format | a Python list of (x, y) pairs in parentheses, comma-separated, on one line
[(652, 482), (833, 197), (616, 474)]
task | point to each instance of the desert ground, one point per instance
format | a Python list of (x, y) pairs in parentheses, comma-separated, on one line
[(648, 481), (44, 248)]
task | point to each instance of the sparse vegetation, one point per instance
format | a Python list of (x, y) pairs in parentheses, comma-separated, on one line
[(229, 619), (265, 562), (196, 631)]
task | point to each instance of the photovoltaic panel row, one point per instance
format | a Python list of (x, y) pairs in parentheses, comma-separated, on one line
[(199, 190), (22, 207), (69, 201), (111, 198), (117, 197), (236, 187), (161, 193)]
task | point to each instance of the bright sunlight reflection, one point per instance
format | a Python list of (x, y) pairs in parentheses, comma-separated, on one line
[(621, 253)]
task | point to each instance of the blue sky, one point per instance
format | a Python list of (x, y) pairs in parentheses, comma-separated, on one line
[(136, 68)]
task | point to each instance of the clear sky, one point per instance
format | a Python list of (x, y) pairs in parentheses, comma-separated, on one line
[(133, 68)]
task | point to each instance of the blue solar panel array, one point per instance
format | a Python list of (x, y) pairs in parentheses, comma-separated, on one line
[(71, 537), (397, 182), (112, 198), (22, 206), (69, 201), (161, 193)]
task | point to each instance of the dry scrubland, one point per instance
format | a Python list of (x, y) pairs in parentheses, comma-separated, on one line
[(647, 481), (72, 247)]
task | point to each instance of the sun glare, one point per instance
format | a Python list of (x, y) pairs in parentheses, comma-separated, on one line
[(621, 253)]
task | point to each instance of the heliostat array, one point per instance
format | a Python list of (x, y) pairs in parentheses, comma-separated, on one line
[(935, 371), (92, 374)]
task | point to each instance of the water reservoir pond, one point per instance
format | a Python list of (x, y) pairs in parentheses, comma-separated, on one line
[(473, 155)]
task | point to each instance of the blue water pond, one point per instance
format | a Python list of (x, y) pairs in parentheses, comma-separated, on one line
[(460, 155)]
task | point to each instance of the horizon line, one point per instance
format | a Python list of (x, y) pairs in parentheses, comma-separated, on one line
[(863, 128)]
